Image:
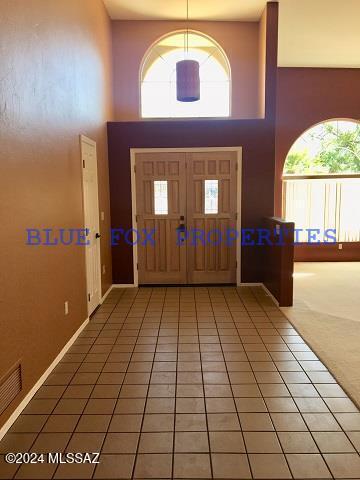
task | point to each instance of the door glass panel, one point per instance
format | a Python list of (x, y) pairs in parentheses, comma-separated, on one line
[(211, 196), (161, 197)]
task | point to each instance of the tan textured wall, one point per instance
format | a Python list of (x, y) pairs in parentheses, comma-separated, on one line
[(131, 40), (55, 83)]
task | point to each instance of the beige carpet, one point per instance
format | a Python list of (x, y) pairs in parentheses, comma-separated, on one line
[(326, 313)]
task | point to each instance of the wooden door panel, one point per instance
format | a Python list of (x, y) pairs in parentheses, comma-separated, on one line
[(165, 261), (203, 258), (213, 260)]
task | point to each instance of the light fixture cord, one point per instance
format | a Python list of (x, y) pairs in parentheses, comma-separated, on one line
[(187, 24)]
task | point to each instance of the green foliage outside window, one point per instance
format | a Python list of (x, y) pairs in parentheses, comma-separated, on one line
[(331, 147)]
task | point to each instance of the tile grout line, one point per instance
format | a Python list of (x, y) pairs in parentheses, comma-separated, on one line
[(69, 384), (231, 385), (148, 386), (176, 384), (203, 386), (92, 390), (116, 400), (58, 399)]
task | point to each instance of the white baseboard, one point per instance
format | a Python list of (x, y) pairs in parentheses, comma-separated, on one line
[(267, 291), (124, 285), (39, 383), (106, 293)]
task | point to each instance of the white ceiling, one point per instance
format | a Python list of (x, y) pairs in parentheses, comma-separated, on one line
[(312, 33), (319, 33), (176, 9)]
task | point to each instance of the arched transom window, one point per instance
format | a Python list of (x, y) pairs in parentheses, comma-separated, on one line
[(158, 77)]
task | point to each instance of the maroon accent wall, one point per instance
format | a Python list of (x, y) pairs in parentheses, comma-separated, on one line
[(305, 97), (278, 264), (255, 136)]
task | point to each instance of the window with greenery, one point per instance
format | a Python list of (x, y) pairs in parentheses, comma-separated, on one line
[(158, 77), (321, 183), (330, 147)]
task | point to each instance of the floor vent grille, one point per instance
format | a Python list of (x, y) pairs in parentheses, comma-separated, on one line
[(10, 387)]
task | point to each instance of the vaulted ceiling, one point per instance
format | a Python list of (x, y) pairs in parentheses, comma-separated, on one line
[(176, 9), (312, 33)]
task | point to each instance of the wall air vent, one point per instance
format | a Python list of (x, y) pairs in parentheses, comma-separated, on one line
[(10, 387)]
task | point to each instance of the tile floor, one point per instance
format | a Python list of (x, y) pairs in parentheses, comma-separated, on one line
[(190, 383)]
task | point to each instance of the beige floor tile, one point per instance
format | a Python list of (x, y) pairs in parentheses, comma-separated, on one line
[(321, 422), (115, 466), (255, 422), (355, 439), (146, 389), (226, 442), (187, 422), (220, 405), (192, 465), (157, 465), (269, 466), (160, 405), (17, 442), (191, 442), (158, 422), (120, 443), (83, 442), (333, 442), (262, 442), (125, 423), (288, 422), (190, 405), (343, 465), (230, 465), (156, 442), (130, 406), (223, 422), (297, 442), (250, 405)]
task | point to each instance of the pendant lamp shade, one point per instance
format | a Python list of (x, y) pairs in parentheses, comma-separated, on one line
[(188, 81)]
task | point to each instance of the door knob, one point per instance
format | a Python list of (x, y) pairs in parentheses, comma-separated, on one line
[(97, 235)]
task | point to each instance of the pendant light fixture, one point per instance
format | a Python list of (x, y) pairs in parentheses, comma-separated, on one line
[(187, 72)]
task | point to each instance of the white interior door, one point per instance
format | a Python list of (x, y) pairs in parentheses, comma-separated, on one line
[(91, 222)]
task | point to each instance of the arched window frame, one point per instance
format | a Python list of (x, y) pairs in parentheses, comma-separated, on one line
[(335, 213), (145, 62), (307, 130)]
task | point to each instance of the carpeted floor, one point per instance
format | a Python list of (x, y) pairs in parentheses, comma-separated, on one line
[(326, 313)]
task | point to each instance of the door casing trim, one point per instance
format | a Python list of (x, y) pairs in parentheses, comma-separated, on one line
[(238, 150), (91, 142)]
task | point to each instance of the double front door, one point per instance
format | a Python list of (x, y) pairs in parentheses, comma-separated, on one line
[(186, 210)]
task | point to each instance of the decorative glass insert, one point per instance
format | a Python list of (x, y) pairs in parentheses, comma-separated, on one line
[(161, 197), (211, 196)]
